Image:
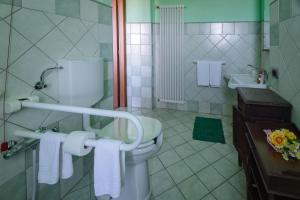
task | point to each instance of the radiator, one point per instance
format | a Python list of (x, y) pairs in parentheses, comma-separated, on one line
[(169, 73)]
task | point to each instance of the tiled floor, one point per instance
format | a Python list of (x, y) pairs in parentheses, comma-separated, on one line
[(186, 169)]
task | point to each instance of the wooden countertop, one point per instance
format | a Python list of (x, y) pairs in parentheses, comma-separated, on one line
[(264, 97), (278, 174)]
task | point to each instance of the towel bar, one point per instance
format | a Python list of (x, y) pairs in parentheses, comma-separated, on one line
[(85, 111)]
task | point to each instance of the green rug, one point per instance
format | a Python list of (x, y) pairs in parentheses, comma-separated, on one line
[(208, 129)]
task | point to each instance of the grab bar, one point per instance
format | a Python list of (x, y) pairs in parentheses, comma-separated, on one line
[(34, 135), (87, 111)]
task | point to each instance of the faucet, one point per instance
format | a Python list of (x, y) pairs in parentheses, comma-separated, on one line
[(253, 67), (254, 70), (41, 84)]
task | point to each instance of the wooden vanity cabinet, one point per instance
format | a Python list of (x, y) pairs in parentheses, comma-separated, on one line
[(256, 105), (268, 175)]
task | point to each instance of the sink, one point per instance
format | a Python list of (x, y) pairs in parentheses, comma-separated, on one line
[(244, 80)]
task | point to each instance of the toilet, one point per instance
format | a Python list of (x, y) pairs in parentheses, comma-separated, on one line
[(81, 84), (136, 184)]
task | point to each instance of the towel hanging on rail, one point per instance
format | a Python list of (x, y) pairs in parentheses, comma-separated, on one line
[(203, 73), (49, 157)]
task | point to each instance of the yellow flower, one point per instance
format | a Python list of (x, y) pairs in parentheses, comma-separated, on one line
[(290, 135), (278, 139)]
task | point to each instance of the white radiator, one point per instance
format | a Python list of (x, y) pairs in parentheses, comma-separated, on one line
[(169, 73)]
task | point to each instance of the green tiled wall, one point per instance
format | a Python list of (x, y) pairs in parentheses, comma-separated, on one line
[(285, 52), (15, 2), (70, 8)]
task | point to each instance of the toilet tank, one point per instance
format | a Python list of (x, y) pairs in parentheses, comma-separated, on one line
[(80, 81)]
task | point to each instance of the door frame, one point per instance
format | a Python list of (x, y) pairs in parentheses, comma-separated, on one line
[(119, 52)]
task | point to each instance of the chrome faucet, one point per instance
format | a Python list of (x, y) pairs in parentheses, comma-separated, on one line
[(253, 67), (41, 84)]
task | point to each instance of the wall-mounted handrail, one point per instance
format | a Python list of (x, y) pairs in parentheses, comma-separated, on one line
[(34, 135), (87, 111)]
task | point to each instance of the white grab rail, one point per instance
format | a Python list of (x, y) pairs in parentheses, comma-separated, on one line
[(86, 111)]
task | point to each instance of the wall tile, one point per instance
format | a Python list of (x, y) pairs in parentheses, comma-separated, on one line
[(136, 81), (146, 92), (68, 184), (254, 28), (274, 12), (4, 32), (146, 28), (191, 29), (295, 7), (146, 50), (88, 10), (55, 19), (204, 28), (73, 29), (8, 190), (9, 2), (88, 45), (18, 47), (32, 24), (70, 8), (135, 28), (136, 102), (106, 50), (48, 6), (30, 66), (55, 44), (241, 28), (135, 38), (216, 28), (48, 192), (228, 28), (284, 9), (135, 91), (104, 14), (135, 49), (146, 39)]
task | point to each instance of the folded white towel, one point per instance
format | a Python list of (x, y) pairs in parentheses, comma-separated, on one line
[(49, 157), (203, 73), (108, 168), (215, 73)]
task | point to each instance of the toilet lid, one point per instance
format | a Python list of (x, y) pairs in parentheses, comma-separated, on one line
[(124, 129)]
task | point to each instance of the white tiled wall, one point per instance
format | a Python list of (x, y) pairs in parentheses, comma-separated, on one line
[(39, 38), (238, 44), (139, 65)]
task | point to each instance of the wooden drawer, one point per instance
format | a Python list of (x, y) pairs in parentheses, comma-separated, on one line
[(263, 104)]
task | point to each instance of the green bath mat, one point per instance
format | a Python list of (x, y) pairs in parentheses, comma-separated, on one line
[(207, 129)]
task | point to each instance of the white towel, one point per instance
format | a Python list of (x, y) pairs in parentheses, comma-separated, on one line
[(215, 73), (203, 73), (49, 157), (108, 168)]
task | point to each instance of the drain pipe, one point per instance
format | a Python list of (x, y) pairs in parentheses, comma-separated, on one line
[(34, 171)]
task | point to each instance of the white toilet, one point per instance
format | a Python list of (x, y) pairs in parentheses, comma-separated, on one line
[(137, 184), (81, 84)]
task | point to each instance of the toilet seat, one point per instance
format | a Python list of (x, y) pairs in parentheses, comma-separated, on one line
[(124, 130)]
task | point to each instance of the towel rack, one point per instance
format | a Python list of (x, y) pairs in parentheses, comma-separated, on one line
[(85, 111)]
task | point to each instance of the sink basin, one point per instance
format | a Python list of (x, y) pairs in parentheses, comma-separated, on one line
[(244, 80)]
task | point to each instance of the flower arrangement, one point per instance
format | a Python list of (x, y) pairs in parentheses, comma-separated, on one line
[(285, 142)]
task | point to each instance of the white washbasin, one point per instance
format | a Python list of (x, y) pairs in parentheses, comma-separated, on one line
[(244, 80)]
